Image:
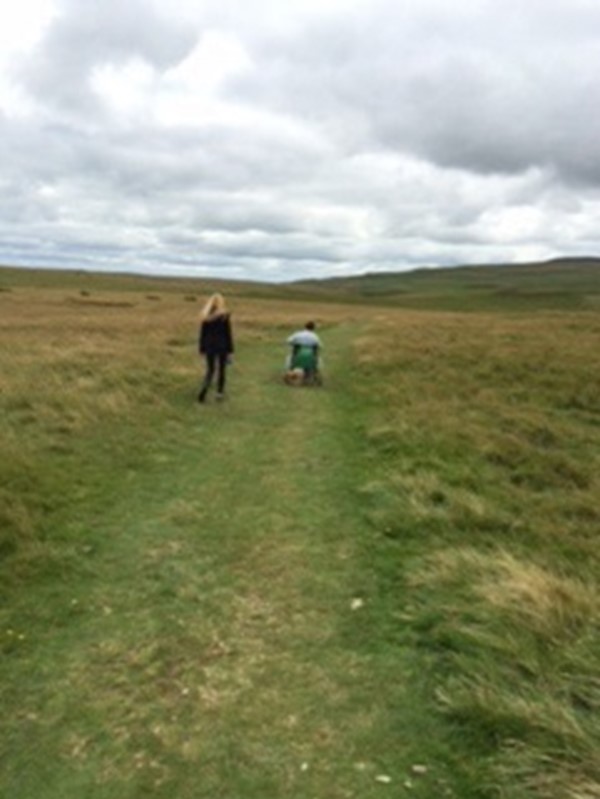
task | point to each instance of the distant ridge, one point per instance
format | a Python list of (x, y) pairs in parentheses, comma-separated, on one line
[(566, 284), (557, 284), (551, 265)]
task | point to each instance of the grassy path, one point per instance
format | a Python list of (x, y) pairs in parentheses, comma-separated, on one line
[(209, 642)]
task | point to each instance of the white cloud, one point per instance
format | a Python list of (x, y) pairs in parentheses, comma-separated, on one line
[(22, 25), (124, 88)]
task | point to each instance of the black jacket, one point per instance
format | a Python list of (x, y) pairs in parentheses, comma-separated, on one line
[(215, 336)]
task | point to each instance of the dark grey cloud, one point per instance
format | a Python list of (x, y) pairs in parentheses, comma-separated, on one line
[(490, 87), (83, 36)]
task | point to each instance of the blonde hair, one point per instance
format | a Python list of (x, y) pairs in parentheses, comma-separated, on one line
[(214, 306)]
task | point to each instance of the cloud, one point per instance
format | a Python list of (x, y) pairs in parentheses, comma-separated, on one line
[(273, 141), (489, 87), (81, 38)]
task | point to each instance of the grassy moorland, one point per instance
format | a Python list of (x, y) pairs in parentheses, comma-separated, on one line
[(388, 587), (563, 284)]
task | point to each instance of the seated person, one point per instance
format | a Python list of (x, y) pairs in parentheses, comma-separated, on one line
[(306, 346)]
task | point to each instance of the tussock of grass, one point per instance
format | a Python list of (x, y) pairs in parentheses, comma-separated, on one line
[(549, 605), (518, 643)]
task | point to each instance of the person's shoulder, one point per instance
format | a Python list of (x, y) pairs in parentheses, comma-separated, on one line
[(222, 316)]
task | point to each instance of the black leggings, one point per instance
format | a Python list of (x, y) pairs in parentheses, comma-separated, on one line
[(220, 361)]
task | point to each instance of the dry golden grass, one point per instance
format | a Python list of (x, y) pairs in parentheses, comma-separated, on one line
[(526, 594), (67, 358)]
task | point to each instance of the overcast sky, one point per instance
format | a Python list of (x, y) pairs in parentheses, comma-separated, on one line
[(277, 139)]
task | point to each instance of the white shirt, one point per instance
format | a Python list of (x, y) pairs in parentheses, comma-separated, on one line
[(305, 338)]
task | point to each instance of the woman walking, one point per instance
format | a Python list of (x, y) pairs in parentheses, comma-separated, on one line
[(215, 342)]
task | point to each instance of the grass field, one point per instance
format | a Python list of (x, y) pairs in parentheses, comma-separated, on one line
[(386, 587)]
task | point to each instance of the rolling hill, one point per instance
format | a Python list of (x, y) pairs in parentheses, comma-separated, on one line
[(562, 284)]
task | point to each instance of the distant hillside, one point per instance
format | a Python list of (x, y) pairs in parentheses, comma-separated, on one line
[(562, 284), (86, 282)]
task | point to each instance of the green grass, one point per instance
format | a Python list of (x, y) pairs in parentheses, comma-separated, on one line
[(297, 592), (483, 501)]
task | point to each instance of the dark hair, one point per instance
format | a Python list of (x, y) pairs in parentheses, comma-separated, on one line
[(310, 325)]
